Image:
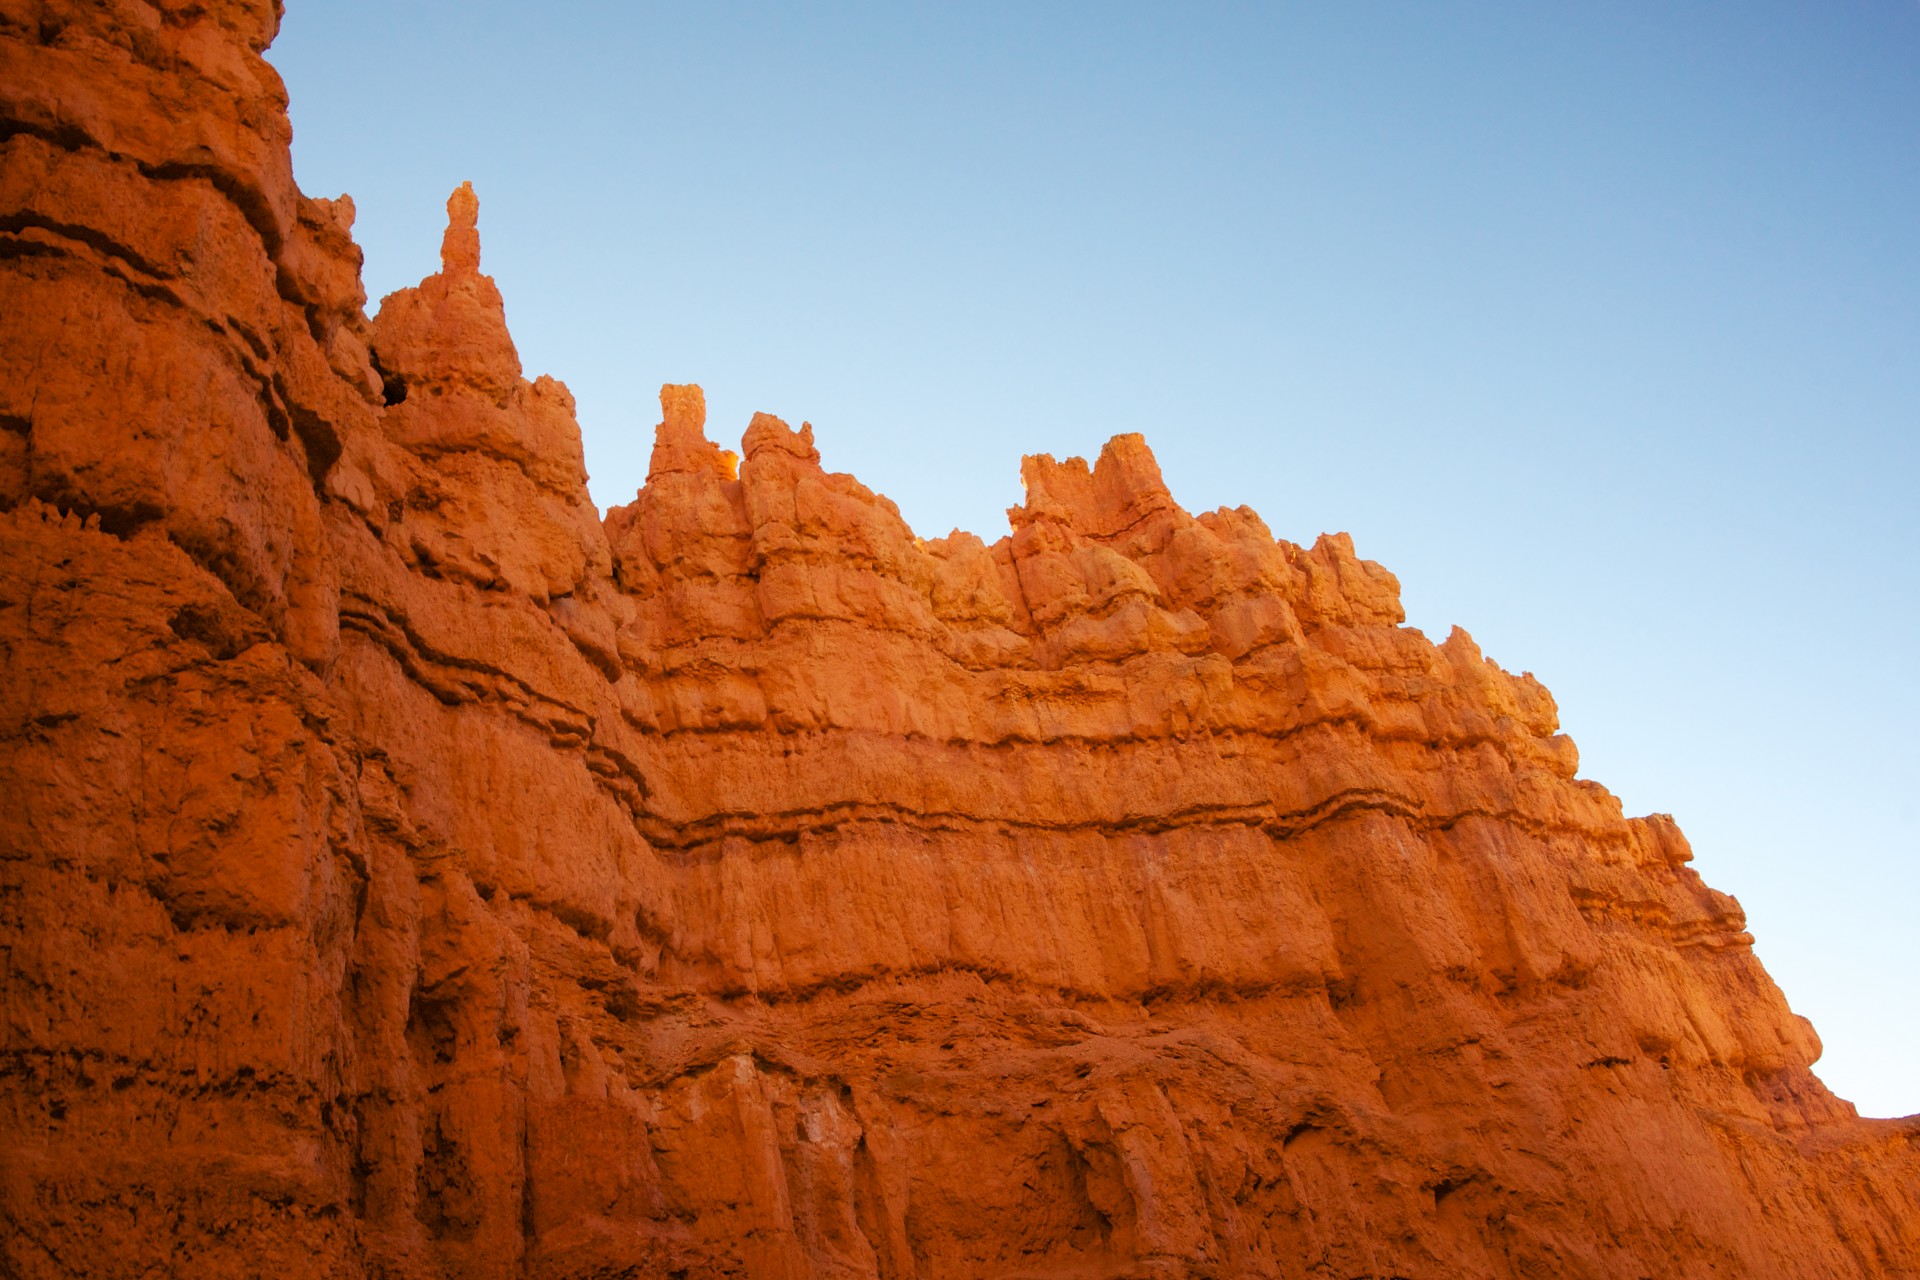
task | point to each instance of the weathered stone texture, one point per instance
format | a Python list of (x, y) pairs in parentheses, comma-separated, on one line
[(405, 873)]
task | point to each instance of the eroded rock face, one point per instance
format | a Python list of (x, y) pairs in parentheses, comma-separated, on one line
[(405, 873)]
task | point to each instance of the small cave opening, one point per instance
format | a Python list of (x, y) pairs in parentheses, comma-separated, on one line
[(393, 387)]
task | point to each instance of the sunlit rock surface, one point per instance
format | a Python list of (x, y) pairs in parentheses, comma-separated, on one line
[(405, 873)]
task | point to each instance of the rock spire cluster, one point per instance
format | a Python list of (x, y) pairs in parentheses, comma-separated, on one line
[(405, 872)]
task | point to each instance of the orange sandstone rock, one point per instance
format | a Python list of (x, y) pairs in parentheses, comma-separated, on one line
[(405, 873)]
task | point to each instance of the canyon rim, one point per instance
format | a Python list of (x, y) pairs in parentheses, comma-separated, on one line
[(408, 873)]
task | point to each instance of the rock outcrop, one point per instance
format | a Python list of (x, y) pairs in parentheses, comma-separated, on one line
[(405, 873)]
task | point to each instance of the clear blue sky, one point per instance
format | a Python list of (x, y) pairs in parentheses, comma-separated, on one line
[(1599, 325)]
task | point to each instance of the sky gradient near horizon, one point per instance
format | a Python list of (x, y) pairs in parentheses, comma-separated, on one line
[(1598, 325)]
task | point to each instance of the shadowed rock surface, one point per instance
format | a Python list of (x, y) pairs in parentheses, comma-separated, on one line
[(405, 873)]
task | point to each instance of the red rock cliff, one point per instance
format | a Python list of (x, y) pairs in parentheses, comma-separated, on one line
[(405, 873)]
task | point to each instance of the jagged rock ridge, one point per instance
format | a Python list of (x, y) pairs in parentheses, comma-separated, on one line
[(407, 873)]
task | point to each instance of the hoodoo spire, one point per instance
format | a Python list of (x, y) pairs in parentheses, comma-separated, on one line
[(460, 247)]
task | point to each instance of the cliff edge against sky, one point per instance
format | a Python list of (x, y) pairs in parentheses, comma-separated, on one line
[(405, 872)]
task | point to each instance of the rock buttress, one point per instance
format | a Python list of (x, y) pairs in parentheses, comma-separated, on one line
[(405, 873)]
